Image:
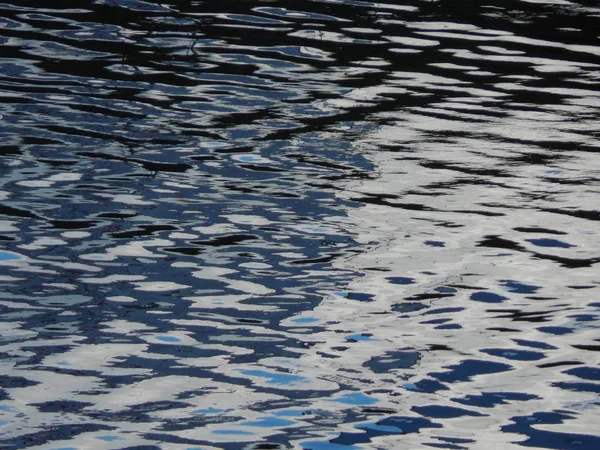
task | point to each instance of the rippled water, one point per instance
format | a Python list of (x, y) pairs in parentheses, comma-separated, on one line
[(314, 225)]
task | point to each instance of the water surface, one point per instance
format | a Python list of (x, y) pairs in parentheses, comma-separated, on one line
[(312, 225)]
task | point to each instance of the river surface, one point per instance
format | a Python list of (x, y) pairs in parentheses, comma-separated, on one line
[(317, 225)]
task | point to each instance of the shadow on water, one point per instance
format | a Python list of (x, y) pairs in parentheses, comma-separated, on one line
[(315, 225)]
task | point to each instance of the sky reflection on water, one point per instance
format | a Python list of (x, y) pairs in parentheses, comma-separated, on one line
[(313, 225)]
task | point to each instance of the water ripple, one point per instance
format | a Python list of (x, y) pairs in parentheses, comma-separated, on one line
[(332, 224)]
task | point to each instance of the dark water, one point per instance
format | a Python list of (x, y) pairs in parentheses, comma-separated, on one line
[(313, 225)]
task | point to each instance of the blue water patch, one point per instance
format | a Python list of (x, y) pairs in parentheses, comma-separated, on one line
[(251, 154), (234, 432), (546, 242), (360, 337), (557, 331), (533, 344), (428, 385), (584, 317), (587, 373), (446, 290), (519, 288), (269, 422), (405, 307), (382, 428), (578, 387), (356, 398), (392, 360), (316, 229), (168, 338), (249, 158), (326, 445), (9, 256), (444, 412), (449, 326), (207, 411), (519, 355), (407, 425), (444, 310), (290, 413), (108, 438), (470, 367), (545, 438), (491, 399), (306, 320), (451, 441), (274, 378), (401, 280), (360, 296), (487, 297)]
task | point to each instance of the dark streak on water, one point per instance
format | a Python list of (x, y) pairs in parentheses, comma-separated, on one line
[(314, 225)]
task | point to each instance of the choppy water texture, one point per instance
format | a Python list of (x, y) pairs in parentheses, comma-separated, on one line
[(299, 224)]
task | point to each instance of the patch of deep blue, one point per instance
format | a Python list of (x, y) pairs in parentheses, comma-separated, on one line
[(168, 338), (516, 354), (401, 280), (518, 287), (446, 290), (534, 344), (449, 326), (9, 256), (491, 399), (274, 378), (464, 370), (387, 427), (233, 432), (359, 337), (578, 387), (108, 438), (558, 331), (382, 428), (547, 242), (306, 320), (327, 445), (392, 361), (361, 297), (430, 386), (545, 438), (444, 310), (487, 297), (444, 412), (408, 307), (445, 446), (585, 317), (587, 373), (435, 243)]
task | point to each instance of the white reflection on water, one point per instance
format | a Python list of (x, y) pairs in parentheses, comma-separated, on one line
[(458, 264)]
